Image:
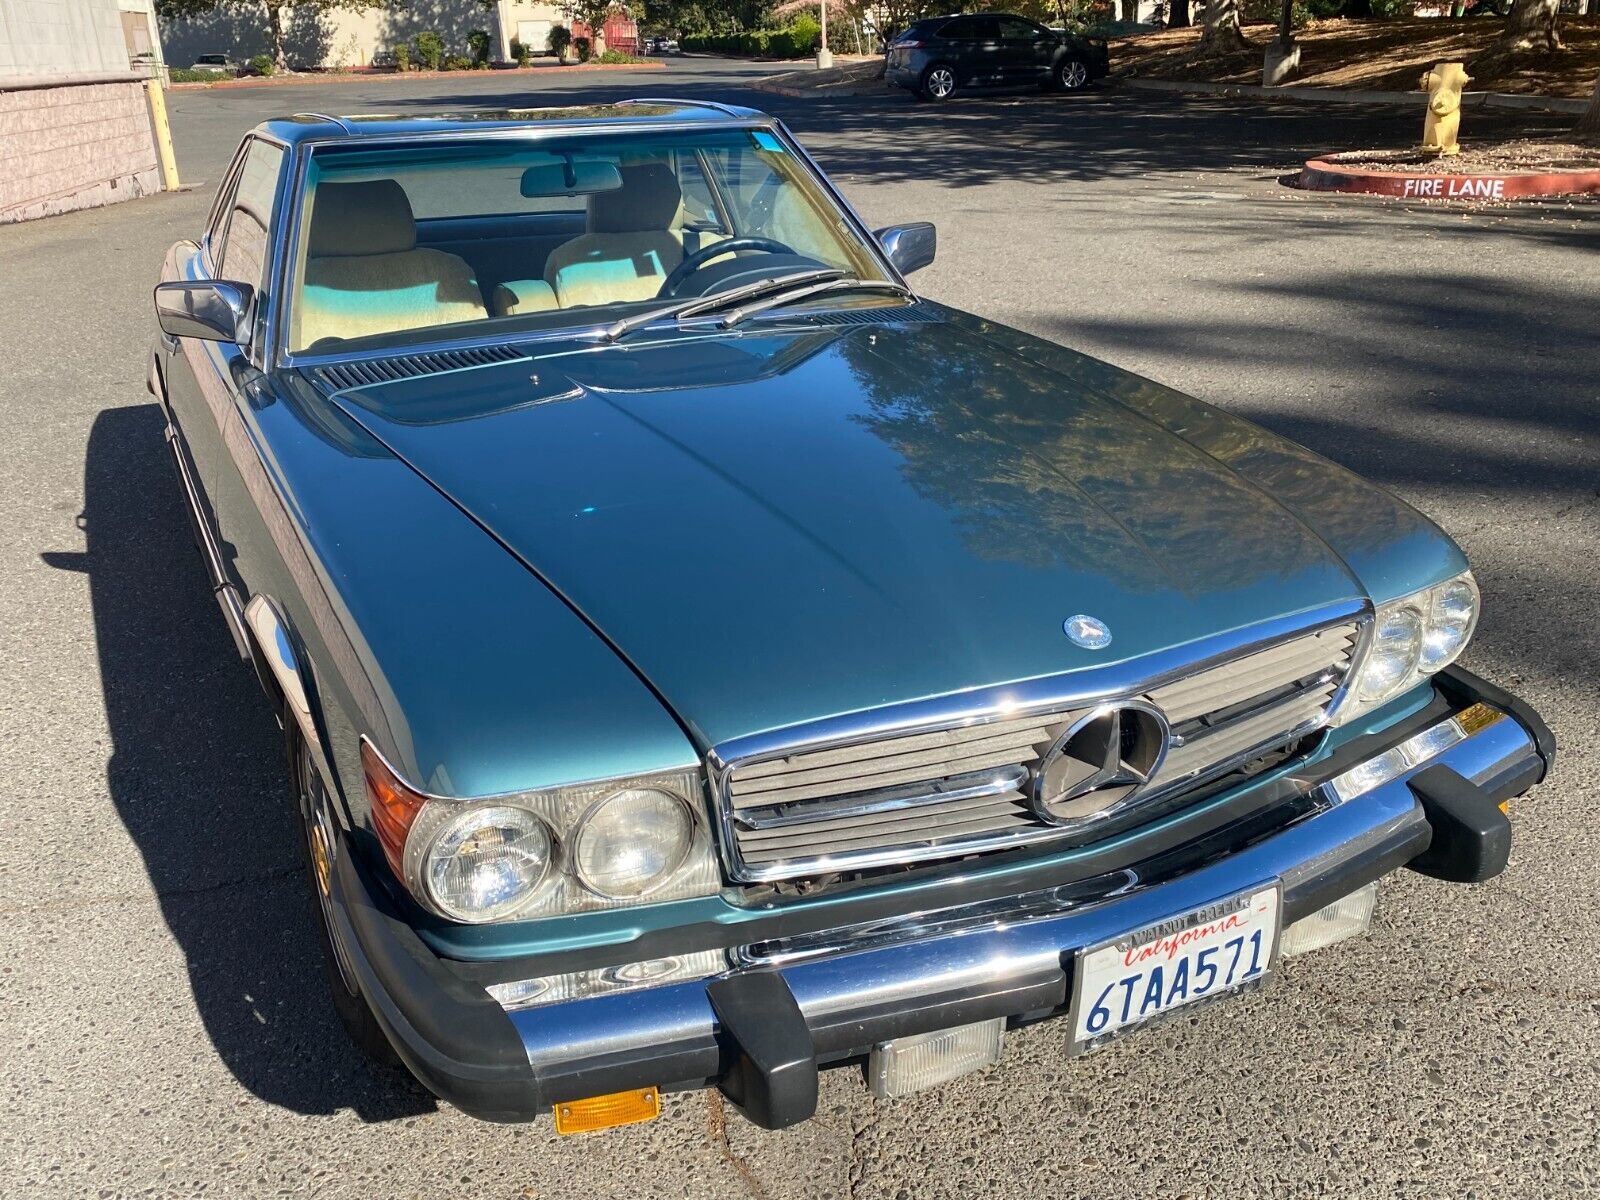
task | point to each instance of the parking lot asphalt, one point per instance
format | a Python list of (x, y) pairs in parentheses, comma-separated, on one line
[(163, 1025)]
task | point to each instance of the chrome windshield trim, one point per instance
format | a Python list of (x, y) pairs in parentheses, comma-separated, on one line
[(1116, 681), (1009, 779)]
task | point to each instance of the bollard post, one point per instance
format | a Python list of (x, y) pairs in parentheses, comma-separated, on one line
[(163, 134)]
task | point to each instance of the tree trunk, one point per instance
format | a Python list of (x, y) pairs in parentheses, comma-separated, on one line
[(1221, 34), (1532, 26), (275, 34), (1178, 14), (1589, 123)]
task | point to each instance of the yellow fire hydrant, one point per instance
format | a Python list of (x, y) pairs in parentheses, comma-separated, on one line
[(1443, 122)]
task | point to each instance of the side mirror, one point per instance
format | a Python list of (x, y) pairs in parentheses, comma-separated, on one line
[(909, 247), (213, 310)]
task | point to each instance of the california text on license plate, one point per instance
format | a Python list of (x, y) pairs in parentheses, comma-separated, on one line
[(1213, 950)]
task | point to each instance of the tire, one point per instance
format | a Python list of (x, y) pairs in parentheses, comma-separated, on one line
[(938, 82), (318, 843), (1071, 75)]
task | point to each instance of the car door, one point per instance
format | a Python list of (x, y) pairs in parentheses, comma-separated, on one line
[(1026, 50), (206, 380), (975, 46)]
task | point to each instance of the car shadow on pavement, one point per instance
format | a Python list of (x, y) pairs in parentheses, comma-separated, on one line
[(198, 777)]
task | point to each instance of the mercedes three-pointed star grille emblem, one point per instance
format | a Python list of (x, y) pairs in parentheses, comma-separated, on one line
[(1100, 764)]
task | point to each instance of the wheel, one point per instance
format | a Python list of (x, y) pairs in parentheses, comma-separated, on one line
[(938, 82), (1072, 75), (319, 842)]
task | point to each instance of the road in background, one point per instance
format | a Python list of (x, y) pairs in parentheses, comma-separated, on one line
[(162, 1016)]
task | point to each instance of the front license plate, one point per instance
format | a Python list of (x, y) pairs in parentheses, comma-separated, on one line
[(1217, 949)]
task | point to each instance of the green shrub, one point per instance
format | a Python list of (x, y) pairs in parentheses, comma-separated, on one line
[(560, 38), (458, 62), (402, 57), (797, 41), (430, 48), (478, 46), (618, 56), (262, 64), (520, 52), (184, 75), (584, 47)]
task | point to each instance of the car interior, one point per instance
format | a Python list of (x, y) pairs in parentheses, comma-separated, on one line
[(585, 232)]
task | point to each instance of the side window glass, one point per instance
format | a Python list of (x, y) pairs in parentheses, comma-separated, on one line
[(244, 247), (1013, 30), (984, 29), (221, 205)]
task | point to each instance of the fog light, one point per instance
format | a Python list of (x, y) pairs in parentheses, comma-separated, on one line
[(910, 1064), (607, 1112), (1344, 918)]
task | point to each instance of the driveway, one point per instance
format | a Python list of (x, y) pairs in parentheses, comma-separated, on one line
[(162, 1020)]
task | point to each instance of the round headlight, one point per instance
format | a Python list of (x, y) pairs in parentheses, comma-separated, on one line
[(1451, 618), (486, 863), (1392, 657), (630, 843)]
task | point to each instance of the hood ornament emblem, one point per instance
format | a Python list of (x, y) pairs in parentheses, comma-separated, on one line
[(1086, 631)]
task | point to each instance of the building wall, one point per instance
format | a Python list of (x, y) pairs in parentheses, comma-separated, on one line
[(58, 37), (74, 120), (315, 37)]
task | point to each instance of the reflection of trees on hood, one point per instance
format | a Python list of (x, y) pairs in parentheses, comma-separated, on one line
[(1038, 472)]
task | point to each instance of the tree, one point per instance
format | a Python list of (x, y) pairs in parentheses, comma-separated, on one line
[(592, 13), (272, 10), (1531, 26), (1221, 33), (1589, 123)]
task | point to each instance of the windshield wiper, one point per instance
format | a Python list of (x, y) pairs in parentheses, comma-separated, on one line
[(730, 319), (699, 304)]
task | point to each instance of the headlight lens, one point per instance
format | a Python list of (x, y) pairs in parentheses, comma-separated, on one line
[(1392, 656), (630, 842), (1411, 638), (610, 843), (1451, 620), (487, 863)]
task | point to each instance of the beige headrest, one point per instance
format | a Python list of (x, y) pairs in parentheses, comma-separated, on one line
[(350, 219), (648, 200)]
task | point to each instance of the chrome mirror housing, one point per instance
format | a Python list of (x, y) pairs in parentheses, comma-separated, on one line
[(213, 310), (909, 247)]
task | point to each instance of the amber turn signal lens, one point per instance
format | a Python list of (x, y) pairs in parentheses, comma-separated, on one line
[(605, 1112), (394, 806)]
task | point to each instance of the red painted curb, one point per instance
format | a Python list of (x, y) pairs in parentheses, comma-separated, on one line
[(379, 76), (1320, 175)]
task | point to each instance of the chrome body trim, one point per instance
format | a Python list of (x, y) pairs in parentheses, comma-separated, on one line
[(223, 591), (1126, 680), (852, 970)]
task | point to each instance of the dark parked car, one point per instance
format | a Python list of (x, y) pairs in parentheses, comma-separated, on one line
[(704, 661), (941, 56)]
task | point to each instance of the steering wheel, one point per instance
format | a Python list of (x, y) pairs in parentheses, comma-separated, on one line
[(716, 250)]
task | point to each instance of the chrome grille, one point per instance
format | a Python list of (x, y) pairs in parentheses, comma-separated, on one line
[(962, 789)]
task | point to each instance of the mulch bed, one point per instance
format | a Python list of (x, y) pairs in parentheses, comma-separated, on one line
[(1527, 156), (1378, 55)]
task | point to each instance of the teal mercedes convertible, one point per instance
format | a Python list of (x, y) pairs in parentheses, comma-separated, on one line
[(705, 661)]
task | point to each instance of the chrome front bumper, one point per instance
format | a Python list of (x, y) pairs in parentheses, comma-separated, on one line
[(790, 1005)]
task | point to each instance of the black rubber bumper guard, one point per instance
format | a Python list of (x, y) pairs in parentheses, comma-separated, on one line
[(765, 1055)]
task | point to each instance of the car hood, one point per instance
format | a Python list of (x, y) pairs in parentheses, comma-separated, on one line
[(781, 525)]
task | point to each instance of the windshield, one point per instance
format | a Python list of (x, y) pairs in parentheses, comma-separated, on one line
[(448, 237)]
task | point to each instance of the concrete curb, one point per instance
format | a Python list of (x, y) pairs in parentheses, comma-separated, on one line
[(1312, 95), (1320, 175), (381, 76)]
